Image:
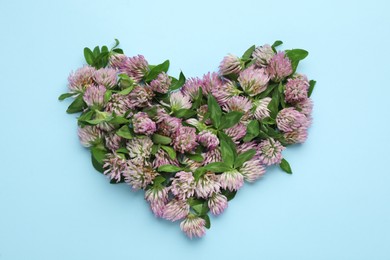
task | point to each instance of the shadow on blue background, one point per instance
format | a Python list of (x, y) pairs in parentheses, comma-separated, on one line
[(53, 205)]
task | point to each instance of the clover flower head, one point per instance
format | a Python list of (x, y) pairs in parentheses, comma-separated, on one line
[(289, 119), (223, 93), (296, 89), (212, 156), (262, 55), (157, 196), (89, 135), (193, 226), (115, 166), (161, 84), (217, 203), (162, 158), (238, 103), (279, 67), (191, 88), (140, 148), (143, 124), (207, 184), (140, 97), (184, 139), (136, 67), (231, 180), (183, 185), (270, 152), (208, 140), (176, 209), (106, 77), (253, 81), (236, 132), (139, 176), (230, 64), (169, 125), (211, 81), (252, 169), (118, 104), (80, 79), (94, 96), (296, 136), (179, 101), (113, 141), (262, 110)]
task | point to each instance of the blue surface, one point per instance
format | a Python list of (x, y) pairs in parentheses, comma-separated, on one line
[(53, 205)]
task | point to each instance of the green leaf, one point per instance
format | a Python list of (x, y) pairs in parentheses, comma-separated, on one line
[(125, 82), (118, 120), (169, 168), (77, 105), (296, 55), (160, 139), (198, 99), (122, 150), (248, 53), (104, 49), (185, 113), (179, 83), (285, 166), (170, 151), (155, 148), (273, 105), (199, 173), (227, 153), (217, 167), (311, 87), (229, 194), (97, 157), (195, 157), (96, 51), (198, 208), (65, 96), (269, 89), (229, 141), (126, 91), (153, 73), (276, 44), (252, 130), (207, 219), (88, 55), (158, 180), (230, 119), (124, 132), (118, 50), (107, 95), (244, 157), (215, 111)]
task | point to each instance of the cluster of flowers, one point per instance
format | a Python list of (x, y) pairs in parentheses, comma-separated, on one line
[(190, 143)]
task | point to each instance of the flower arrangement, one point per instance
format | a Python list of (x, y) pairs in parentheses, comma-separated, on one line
[(190, 144)]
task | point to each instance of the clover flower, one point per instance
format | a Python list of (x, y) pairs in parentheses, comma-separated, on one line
[(106, 77), (296, 89), (253, 81), (79, 80), (224, 92), (94, 96), (212, 156), (305, 107), (115, 166), (236, 132), (296, 136), (113, 141), (210, 82), (139, 176), (244, 147), (208, 139), (118, 61), (238, 103), (161, 84), (176, 209), (157, 196), (279, 67), (142, 124), (136, 67), (202, 111), (252, 169), (169, 125), (118, 104), (230, 64), (231, 180), (184, 139), (289, 119), (270, 152), (262, 55), (217, 203), (183, 185), (162, 158), (179, 101), (191, 88), (207, 184), (140, 148), (89, 135), (193, 226), (262, 110), (140, 97)]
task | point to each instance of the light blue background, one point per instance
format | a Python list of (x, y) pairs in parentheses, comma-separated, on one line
[(53, 205)]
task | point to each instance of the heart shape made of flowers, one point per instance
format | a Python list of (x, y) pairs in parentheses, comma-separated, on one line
[(190, 144)]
